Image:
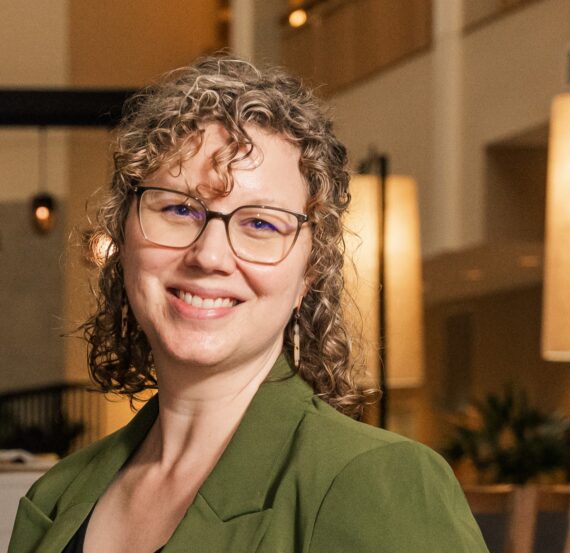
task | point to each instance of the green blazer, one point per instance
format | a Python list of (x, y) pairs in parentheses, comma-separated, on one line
[(296, 477)]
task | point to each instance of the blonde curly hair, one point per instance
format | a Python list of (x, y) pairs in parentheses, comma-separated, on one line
[(162, 124)]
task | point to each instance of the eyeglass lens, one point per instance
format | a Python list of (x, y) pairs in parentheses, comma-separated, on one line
[(263, 235)]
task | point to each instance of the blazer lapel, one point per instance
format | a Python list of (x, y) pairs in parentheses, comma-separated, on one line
[(240, 481), (82, 494), (233, 507)]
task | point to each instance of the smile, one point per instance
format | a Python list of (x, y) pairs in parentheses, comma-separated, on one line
[(204, 303)]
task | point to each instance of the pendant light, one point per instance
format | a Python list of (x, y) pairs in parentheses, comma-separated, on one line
[(43, 204)]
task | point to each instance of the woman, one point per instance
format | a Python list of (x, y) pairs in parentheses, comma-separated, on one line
[(226, 213)]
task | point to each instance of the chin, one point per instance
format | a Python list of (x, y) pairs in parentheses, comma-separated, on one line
[(191, 352)]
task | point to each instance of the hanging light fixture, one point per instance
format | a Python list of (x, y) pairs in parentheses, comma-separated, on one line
[(43, 205), (297, 18), (556, 298)]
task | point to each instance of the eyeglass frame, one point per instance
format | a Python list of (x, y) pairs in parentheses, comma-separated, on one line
[(302, 218)]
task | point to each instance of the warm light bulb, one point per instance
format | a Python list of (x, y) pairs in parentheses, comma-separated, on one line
[(43, 208), (42, 213), (298, 18)]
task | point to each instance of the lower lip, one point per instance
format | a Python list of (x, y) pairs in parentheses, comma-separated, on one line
[(192, 312)]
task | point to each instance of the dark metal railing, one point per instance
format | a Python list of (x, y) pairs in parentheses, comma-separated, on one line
[(52, 419)]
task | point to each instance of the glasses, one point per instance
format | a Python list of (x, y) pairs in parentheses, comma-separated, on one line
[(256, 233)]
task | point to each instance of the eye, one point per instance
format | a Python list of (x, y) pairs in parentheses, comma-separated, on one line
[(184, 211), (260, 224), (257, 222)]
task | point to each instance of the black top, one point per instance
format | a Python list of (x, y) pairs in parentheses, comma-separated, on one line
[(76, 543)]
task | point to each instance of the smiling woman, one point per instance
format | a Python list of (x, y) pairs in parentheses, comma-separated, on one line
[(222, 289)]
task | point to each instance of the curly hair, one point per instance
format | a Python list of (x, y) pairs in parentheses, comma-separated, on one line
[(161, 124)]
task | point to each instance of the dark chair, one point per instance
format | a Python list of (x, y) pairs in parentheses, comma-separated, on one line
[(52, 419), (522, 519)]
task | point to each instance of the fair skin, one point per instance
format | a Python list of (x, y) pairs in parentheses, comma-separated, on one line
[(209, 361)]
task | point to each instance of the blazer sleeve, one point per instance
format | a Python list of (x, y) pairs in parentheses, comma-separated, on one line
[(397, 498)]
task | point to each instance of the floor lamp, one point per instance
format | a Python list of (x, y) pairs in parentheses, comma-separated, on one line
[(387, 288)]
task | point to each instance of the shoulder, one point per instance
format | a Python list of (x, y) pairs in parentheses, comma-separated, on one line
[(340, 439), (45, 492), (346, 448), (386, 492)]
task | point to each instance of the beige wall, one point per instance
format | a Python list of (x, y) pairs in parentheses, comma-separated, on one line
[(129, 43), (515, 194), (33, 53), (510, 70), (506, 348), (34, 48), (513, 68)]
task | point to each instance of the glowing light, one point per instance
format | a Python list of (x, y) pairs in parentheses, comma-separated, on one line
[(403, 277), (298, 18), (556, 303), (42, 213)]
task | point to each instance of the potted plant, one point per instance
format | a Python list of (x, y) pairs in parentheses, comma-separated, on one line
[(506, 440)]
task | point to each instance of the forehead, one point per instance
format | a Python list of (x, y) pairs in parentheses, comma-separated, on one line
[(270, 171)]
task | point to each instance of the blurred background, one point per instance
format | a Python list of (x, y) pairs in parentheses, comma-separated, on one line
[(455, 94)]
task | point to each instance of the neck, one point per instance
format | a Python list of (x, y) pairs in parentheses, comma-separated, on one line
[(201, 407)]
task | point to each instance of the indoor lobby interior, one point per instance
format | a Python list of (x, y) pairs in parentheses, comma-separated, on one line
[(456, 116)]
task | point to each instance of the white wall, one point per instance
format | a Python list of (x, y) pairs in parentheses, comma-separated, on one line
[(510, 70)]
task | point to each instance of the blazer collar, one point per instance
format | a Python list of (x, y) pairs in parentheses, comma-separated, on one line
[(84, 491), (240, 480)]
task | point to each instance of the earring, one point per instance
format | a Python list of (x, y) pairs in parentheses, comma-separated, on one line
[(124, 316), (296, 341)]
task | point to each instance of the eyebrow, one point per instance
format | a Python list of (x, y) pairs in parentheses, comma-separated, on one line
[(176, 186)]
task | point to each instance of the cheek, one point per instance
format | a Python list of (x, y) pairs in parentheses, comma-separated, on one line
[(142, 263), (284, 282)]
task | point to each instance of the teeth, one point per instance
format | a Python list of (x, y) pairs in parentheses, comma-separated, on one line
[(207, 303)]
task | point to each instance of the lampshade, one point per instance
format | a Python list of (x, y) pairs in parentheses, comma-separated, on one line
[(403, 290), (556, 302), (403, 274), (362, 270)]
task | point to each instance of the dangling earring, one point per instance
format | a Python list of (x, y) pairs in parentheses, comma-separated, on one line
[(296, 340), (124, 316)]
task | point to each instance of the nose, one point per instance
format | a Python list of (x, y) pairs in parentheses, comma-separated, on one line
[(212, 252)]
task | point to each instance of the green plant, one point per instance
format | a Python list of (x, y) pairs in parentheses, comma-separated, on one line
[(511, 441)]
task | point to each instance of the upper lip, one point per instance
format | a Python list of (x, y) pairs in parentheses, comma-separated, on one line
[(204, 293)]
